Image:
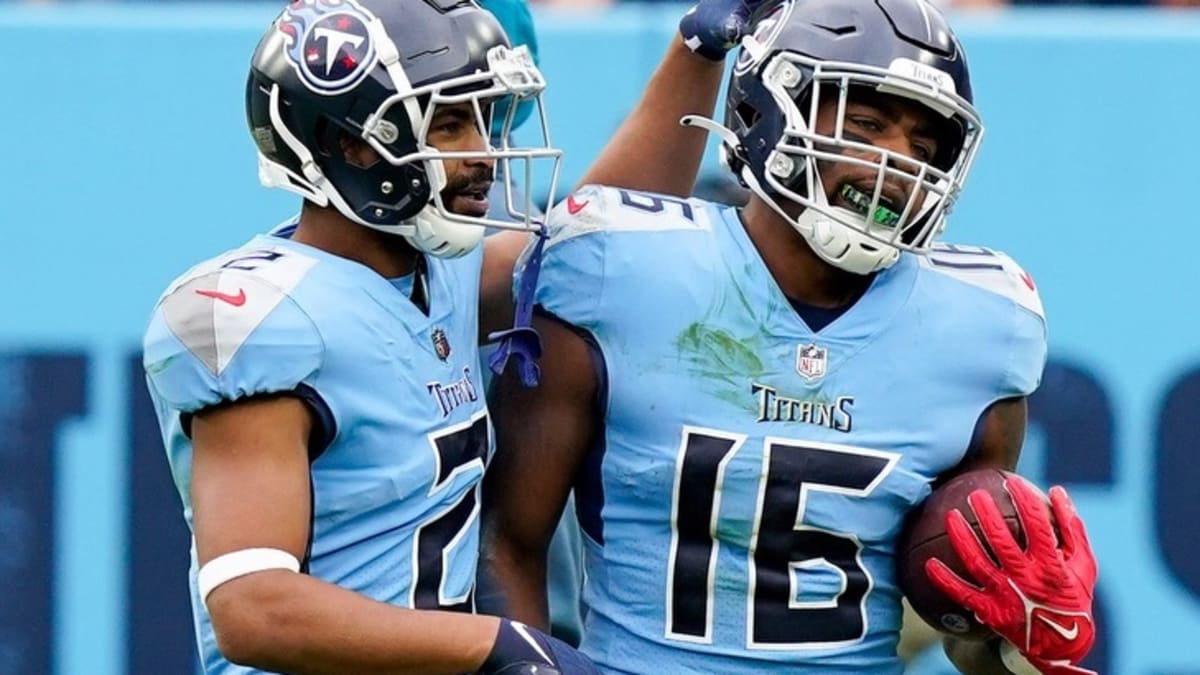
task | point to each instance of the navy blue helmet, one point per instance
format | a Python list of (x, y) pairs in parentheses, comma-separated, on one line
[(376, 70), (803, 52)]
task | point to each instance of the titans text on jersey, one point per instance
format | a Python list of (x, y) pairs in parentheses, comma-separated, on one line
[(775, 407), (403, 434), (773, 464)]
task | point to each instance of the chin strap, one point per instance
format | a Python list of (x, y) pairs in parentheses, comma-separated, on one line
[(522, 341)]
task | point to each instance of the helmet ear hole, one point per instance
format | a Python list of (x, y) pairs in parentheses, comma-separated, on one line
[(339, 145), (357, 153), (747, 114)]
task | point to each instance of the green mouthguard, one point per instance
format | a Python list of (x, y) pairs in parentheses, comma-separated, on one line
[(862, 201)]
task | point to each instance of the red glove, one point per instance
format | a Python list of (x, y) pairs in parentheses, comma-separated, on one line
[(1018, 664), (1040, 598)]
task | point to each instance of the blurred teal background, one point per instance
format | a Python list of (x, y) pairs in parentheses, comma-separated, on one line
[(126, 159)]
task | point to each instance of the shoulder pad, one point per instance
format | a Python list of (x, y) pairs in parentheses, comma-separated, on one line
[(215, 306), (229, 328), (987, 269), (594, 208)]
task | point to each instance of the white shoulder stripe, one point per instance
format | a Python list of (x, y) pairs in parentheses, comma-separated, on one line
[(987, 269), (215, 308), (595, 208)]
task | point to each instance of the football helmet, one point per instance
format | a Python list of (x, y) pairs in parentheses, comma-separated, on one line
[(803, 52), (377, 70)]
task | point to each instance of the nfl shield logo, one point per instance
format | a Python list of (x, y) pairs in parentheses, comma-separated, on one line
[(810, 361), (441, 346)]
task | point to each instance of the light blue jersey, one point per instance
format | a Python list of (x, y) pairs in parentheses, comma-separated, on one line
[(742, 509), (402, 433)]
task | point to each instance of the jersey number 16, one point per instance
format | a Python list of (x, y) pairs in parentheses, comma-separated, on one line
[(781, 546)]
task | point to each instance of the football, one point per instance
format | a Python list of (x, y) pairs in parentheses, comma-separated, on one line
[(925, 537)]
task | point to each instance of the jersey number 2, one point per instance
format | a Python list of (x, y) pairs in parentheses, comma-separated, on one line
[(460, 449), (782, 546)]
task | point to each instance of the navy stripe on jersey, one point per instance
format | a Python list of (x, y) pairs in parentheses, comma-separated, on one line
[(815, 317), (324, 424)]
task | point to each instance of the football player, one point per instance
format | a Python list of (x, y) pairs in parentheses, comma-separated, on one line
[(747, 402), (318, 388)]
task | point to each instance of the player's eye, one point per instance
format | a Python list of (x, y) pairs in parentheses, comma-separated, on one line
[(864, 123), (447, 127), (923, 151)]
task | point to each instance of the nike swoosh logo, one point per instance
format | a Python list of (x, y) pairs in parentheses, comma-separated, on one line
[(574, 207), (235, 300), (524, 633), (1068, 634)]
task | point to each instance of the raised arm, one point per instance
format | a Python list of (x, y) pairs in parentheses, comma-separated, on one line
[(542, 435), (651, 151)]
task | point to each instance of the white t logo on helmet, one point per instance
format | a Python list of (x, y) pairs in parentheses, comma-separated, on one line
[(334, 41), (328, 44)]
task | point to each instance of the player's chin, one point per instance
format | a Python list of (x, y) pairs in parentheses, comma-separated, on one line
[(472, 204)]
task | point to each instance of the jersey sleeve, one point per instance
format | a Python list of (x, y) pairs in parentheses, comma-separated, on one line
[(1027, 357), (571, 281), (610, 245), (1006, 321), (225, 335)]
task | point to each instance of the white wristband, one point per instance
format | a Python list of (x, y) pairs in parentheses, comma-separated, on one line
[(1015, 661), (240, 563)]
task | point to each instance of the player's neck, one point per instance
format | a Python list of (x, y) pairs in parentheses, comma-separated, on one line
[(801, 274), (324, 228)]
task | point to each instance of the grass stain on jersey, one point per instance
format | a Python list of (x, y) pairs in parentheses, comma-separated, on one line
[(715, 355)]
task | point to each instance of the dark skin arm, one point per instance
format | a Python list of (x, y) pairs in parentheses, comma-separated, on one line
[(496, 302), (542, 436), (650, 150), (250, 489), (996, 444)]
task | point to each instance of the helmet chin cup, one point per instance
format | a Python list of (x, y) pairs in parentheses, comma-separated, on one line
[(436, 235), (843, 247), (825, 237), (834, 242)]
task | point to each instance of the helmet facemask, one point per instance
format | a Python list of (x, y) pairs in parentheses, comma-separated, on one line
[(511, 79), (904, 205)]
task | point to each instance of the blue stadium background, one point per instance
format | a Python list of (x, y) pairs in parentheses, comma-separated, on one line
[(125, 159)]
